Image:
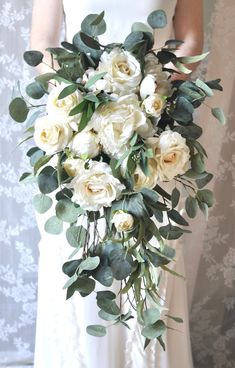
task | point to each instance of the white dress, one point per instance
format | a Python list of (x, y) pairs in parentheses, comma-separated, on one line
[(61, 338)]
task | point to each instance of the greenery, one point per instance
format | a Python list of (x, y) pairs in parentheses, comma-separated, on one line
[(134, 255)]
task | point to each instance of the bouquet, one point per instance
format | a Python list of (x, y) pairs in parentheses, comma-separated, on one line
[(110, 132)]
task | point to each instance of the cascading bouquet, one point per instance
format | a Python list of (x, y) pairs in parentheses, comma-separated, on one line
[(113, 130)]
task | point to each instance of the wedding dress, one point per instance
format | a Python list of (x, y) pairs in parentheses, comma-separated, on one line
[(61, 338)]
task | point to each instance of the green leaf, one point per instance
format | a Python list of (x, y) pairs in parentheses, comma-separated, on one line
[(189, 131), (94, 24), (204, 208), (67, 211), (67, 91), (85, 286), (215, 84), (42, 203), (91, 97), (208, 91), (96, 330), (206, 196), (79, 108), (191, 206), (27, 177), (218, 113), (41, 162), (151, 316), (86, 116), (175, 197), (165, 56), (172, 272), (107, 294), (89, 41), (197, 163), (177, 218), (161, 342), (176, 319), (181, 67), (140, 27), (106, 316), (18, 110), (157, 19), (104, 275), (53, 226), (70, 267), (194, 175), (76, 236), (89, 264), (64, 193), (150, 195), (155, 330), (94, 79), (35, 90), (132, 39), (172, 232), (33, 58), (183, 111), (47, 180), (121, 264), (204, 181), (109, 306), (192, 59)]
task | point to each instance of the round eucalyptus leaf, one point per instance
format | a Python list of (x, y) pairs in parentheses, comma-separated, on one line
[(157, 19), (175, 197), (35, 90), (121, 264), (197, 163), (90, 27), (132, 39), (151, 316), (82, 47), (66, 210), (18, 110), (206, 196), (47, 180), (35, 156), (53, 226), (109, 306), (85, 286), (33, 58), (70, 267), (89, 264), (140, 27), (96, 330), (76, 236), (154, 331), (42, 203), (191, 206), (107, 294), (106, 316), (104, 275)]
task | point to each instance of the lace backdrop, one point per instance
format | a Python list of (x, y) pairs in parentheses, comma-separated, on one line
[(209, 255)]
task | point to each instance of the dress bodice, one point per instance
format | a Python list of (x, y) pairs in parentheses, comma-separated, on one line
[(119, 16)]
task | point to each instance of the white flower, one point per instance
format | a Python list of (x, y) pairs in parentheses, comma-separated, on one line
[(96, 187), (171, 154), (74, 166), (123, 221), (148, 86), (143, 181), (85, 144), (51, 135), (154, 105), (116, 122), (60, 109), (123, 71)]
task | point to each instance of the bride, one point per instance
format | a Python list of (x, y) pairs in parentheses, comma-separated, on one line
[(61, 339)]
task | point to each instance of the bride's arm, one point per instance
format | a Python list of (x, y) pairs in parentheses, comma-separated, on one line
[(47, 19), (188, 26)]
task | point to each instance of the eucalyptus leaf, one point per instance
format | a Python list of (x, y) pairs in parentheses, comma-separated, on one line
[(89, 264), (76, 236), (96, 330), (192, 59), (204, 181), (197, 163), (35, 90), (208, 91), (18, 109), (68, 90), (94, 79), (177, 218), (171, 232), (218, 113), (206, 196), (140, 27), (53, 226), (42, 203), (157, 19), (70, 267), (94, 24), (47, 180), (108, 306), (106, 316), (67, 211), (175, 197), (151, 316), (155, 330), (104, 275), (176, 319), (43, 160), (33, 58), (191, 206)]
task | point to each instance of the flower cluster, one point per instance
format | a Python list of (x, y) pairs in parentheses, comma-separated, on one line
[(114, 128)]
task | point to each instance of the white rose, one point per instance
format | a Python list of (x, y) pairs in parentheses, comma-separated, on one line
[(143, 181), (73, 166), (96, 187), (116, 122), (123, 221), (85, 144), (154, 105), (61, 108), (123, 71), (155, 84), (171, 153), (148, 86), (51, 135)]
